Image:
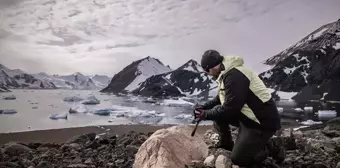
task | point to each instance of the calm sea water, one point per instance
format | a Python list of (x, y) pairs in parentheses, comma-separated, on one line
[(34, 107)]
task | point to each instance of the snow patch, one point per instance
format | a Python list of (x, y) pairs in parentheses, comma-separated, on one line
[(268, 74), (289, 71), (147, 68)]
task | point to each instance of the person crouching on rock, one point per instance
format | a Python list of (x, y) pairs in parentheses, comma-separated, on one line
[(242, 101)]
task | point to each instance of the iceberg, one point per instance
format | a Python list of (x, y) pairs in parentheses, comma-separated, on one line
[(10, 97), (73, 99), (8, 111), (58, 116), (92, 100), (78, 109), (103, 112)]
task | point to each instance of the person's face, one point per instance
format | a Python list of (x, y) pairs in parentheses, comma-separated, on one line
[(215, 71)]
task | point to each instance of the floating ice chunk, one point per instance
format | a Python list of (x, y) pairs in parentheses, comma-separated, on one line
[(91, 100), (311, 122), (103, 112), (8, 111), (78, 109), (308, 108), (326, 114), (134, 99), (161, 115), (183, 116), (298, 109), (297, 128), (10, 97), (58, 116), (73, 99), (176, 103)]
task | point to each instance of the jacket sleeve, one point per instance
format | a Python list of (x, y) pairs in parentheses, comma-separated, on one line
[(212, 103), (236, 86)]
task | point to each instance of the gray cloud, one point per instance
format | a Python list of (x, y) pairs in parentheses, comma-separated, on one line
[(68, 36)]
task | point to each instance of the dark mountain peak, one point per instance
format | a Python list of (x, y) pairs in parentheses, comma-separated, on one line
[(132, 75), (310, 67), (191, 65), (323, 37)]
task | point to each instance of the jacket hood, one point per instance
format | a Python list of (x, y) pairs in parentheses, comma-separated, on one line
[(231, 62)]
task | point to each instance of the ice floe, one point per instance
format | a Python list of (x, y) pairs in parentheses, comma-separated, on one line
[(73, 99), (9, 97), (8, 111), (91, 100), (59, 116)]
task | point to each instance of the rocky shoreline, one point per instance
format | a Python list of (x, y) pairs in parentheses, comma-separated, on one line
[(311, 147)]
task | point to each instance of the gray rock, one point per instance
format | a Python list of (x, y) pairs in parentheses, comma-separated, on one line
[(44, 164), (77, 166), (209, 161), (88, 161), (15, 149), (338, 165), (223, 162), (132, 149), (82, 139)]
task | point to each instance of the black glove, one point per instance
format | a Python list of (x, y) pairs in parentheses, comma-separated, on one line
[(198, 106)]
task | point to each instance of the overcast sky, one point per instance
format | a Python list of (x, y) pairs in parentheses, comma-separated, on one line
[(104, 36)]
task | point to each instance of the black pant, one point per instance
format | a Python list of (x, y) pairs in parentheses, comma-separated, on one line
[(249, 148)]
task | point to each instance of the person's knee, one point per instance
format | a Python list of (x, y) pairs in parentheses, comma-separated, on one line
[(241, 160)]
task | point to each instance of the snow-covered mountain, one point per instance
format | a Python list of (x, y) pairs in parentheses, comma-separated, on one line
[(79, 81), (76, 81), (134, 74), (58, 82), (100, 80), (19, 79), (3, 88), (191, 65), (187, 80), (310, 67)]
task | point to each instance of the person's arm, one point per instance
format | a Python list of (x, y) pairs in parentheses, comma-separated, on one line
[(236, 86), (211, 103)]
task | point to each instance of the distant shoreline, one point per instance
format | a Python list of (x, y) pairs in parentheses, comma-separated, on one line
[(63, 134)]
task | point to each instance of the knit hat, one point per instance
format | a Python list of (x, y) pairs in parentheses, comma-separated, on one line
[(210, 59)]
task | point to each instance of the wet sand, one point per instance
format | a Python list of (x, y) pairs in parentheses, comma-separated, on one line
[(61, 135)]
